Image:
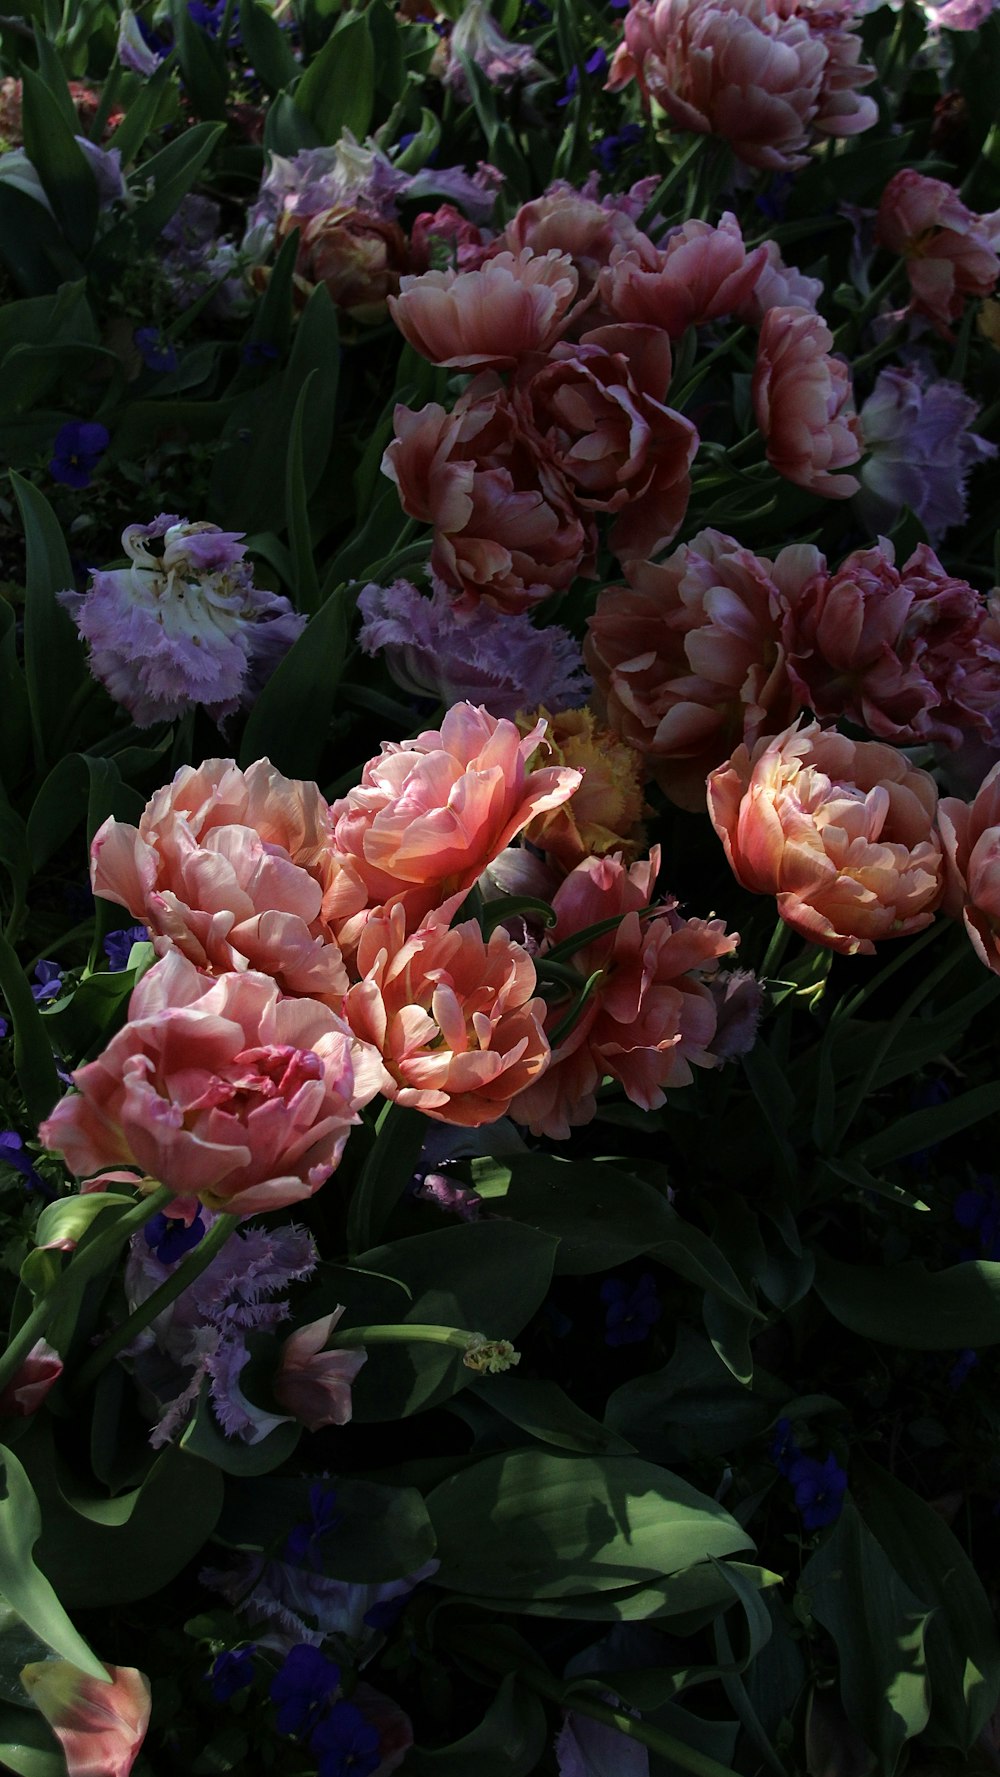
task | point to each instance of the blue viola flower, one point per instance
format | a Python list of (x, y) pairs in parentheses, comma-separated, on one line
[(4, 1028), (156, 349), (609, 150), (258, 351), (47, 984), (303, 1687), (346, 1744), (231, 1672), (595, 64), (819, 1489), (78, 448), (118, 946), (631, 1314), (304, 1541), (170, 1237), (13, 1152), (977, 1210)]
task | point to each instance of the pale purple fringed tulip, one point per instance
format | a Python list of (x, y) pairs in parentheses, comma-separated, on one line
[(922, 451), (183, 626), (479, 39)]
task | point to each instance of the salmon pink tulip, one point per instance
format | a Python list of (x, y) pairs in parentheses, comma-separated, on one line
[(970, 834), (100, 1727), (487, 318), (950, 252), (804, 403)]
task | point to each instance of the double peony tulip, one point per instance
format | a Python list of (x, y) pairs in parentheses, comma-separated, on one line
[(970, 834), (803, 400), (950, 252)]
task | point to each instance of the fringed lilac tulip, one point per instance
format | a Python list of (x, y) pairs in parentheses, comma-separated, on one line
[(922, 452), (435, 649), (183, 626), (478, 38)]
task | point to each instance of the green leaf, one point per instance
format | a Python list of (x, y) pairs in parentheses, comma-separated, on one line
[(909, 1306), (399, 1137), (54, 663), (305, 584), (60, 163), (963, 1647), (22, 1584), (79, 786), (15, 720), (925, 1128), (306, 679), (545, 1411), (141, 115), (203, 1437), (686, 1601), (202, 64), (337, 90), (27, 1744), (508, 1742), (878, 1626), (267, 46), (531, 1523), (32, 245), (381, 1533), (691, 1409), (34, 1063), (14, 851), (172, 172)]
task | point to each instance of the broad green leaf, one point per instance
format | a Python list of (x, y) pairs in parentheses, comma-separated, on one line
[(925, 1128), (508, 1742), (545, 1411), (68, 1217), (536, 1524), (32, 245), (172, 172), (267, 46), (28, 1746), (15, 721), (14, 850), (399, 1137), (141, 115), (54, 663), (305, 585), (337, 90), (202, 64), (306, 679), (203, 1437), (23, 1585), (878, 1626), (79, 786), (61, 164), (691, 1409), (908, 1305), (34, 1063), (381, 1533), (686, 1601)]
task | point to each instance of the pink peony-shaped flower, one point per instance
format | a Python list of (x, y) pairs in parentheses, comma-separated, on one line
[(804, 403), (651, 1016), (431, 813), (701, 273), (970, 835), (901, 651), (841, 832), (491, 316), (689, 658), (100, 1727), (778, 286), (313, 1384), (950, 252), (597, 411), (229, 868), (222, 1090), (763, 74), (452, 1016), (506, 526), (357, 256), (567, 221)]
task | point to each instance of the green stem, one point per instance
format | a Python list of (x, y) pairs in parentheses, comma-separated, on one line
[(666, 185), (83, 1265), (173, 1286), (485, 1355), (780, 940)]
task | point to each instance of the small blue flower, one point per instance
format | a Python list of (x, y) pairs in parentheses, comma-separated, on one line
[(47, 984), (156, 349), (4, 1028), (609, 150), (170, 1237), (304, 1540), (966, 1361), (819, 1489), (78, 447), (631, 1314), (258, 351), (977, 1210), (595, 64), (347, 1744), (231, 1672), (118, 946), (306, 1682), (12, 1151)]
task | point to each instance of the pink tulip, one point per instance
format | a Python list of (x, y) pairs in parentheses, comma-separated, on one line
[(950, 251), (804, 403), (700, 273), (970, 834), (489, 317), (841, 832), (39, 1372), (586, 231), (221, 1090), (778, 286), (100, 1727), (314, 1384)]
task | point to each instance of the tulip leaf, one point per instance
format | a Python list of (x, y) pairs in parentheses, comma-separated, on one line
[(267, 46), (60, 163), (909, 1306), (337, 90), (508, 1742), (307, 678), (34, 1062), (28, 1746), (54, 663), (379, 1533), (23, 1585)]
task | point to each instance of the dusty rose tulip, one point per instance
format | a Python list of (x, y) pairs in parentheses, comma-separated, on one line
[(452, 1016), (314, 1384), (903, 652), (689, 659), (489, 317), (778, 286), (950, 252), (700, 273), (506, 526), (763, 74), (652, 1015), (604, 814), (804, 403), (841, 832), (39, 1372), (431, 813), (970, 834), (445, 231), (221, 1090), (565, 221), (227, 867), (357, 255), (597, 411), (100, 1727)]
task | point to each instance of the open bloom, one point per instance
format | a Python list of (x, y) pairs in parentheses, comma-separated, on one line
[(921, 451), (651, 1015), (357, 256), (222, 1090), (700, 273), (453, 1017), (804, 403), (183, 625), (228, 867), (950, 251), (430, 813), (313, 1384), (570, 222), (489, 317), (970, 834), (841, 832), (100, 1727)]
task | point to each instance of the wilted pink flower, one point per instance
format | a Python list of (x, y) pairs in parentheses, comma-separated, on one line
[(358, 257), (452, 1016), (764, 74), (489, 317), (804, 403), (182, 626), (597, 410), (478, 37), (445, 236), (970, 835), (229, 867), (221, 1090), (430, 813), (841, 832), (314, 1384), (778, 286), (900, 651), (700, 273), (29, 1385), (651, 1017), (359, 175), (506, 525), (950, 252), (100, 1727), (689, 659), (921, 452), (436, 648)]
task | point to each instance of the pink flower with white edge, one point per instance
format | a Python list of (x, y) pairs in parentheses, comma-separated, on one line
[(100, 1727), (314, 1384), (487, 318), (700, 273), (221, 1090)]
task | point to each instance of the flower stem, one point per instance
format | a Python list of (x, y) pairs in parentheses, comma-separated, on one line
[(478, 1352)]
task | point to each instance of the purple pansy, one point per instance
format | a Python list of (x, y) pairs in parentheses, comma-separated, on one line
[(78, 448)]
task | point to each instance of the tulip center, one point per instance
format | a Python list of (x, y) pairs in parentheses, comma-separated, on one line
[(274, 1071)]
